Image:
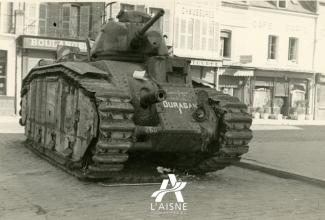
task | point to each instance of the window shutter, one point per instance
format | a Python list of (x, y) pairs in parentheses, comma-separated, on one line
[(84, 21), (30, 19), (42, 19), (176, 44), (197, 28), (53, 17), (166, 27), (65, 20)]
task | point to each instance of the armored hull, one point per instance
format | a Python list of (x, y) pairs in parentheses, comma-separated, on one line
[(86, 117)]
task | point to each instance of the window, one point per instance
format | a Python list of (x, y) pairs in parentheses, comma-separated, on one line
[(127, 7), (272, 47), (293, 49), (282, 3), (3, 72), (225, 44), (42, 19)]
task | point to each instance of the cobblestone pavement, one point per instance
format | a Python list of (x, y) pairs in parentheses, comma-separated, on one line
[(300, 149), (30, 188)]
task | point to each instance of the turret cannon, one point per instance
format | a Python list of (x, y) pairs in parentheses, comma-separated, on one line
[(138, 38)]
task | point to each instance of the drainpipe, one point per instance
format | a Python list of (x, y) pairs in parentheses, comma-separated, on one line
[(313, 68)]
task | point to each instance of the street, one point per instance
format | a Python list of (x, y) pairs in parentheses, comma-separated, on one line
[(33, 189)]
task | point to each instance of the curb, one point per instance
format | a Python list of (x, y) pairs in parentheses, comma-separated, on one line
[(288, 122), (286, 174)]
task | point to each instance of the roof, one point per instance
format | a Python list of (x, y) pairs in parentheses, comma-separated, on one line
[(309, 7)]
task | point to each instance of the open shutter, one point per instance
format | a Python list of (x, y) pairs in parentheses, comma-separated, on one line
[(42, 19), (166, 27), (84, 21), (65, 20)]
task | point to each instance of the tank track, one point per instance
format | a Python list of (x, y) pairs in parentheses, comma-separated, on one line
[(234, 133), (107, 154), (115, 134)]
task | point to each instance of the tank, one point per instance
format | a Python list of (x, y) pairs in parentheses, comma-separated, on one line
[(129, 102)]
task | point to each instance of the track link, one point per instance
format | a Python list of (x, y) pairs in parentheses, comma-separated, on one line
[(115, 134), (233, 136)]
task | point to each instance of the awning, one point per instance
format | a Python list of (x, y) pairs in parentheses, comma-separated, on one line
[(203, 82), (236, 72), (263, 83), (228, 81)]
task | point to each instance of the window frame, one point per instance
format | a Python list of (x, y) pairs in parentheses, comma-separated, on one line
[(269, 48), (223, 44), (294, 58)]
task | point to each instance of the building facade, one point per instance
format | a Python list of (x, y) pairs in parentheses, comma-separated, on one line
[(30, 32), (267, 53), (8, 77), (276, 39), (319, 63)]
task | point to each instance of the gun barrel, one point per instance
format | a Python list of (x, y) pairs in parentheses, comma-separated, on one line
[(153, 97), (151, 22)]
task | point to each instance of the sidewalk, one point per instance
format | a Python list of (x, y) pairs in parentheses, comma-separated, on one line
[(296, 150), (10, 124)]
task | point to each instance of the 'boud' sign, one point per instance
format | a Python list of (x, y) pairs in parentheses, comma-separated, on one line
[(51, 44)]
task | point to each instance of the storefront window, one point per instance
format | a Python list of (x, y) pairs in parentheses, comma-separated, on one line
[(298, 94), (298, 101), (262, 102), (262, 97)]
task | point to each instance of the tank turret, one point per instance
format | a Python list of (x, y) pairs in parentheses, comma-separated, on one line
[(132, 37)]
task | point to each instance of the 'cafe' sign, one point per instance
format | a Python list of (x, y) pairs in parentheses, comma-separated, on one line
[(51, 44)]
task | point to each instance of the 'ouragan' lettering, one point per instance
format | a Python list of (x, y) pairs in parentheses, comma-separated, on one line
[(179, 105)]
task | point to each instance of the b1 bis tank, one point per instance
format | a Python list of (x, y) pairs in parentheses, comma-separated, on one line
[(129, 101)]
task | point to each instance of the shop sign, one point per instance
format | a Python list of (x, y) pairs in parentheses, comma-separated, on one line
[(51, 44), (212, 63), (245, 59)]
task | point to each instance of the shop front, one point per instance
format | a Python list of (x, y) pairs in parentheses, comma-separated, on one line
[(235, 81), (282, 94), (7, 74), (33, 48), (205, 71), (320, 97)]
